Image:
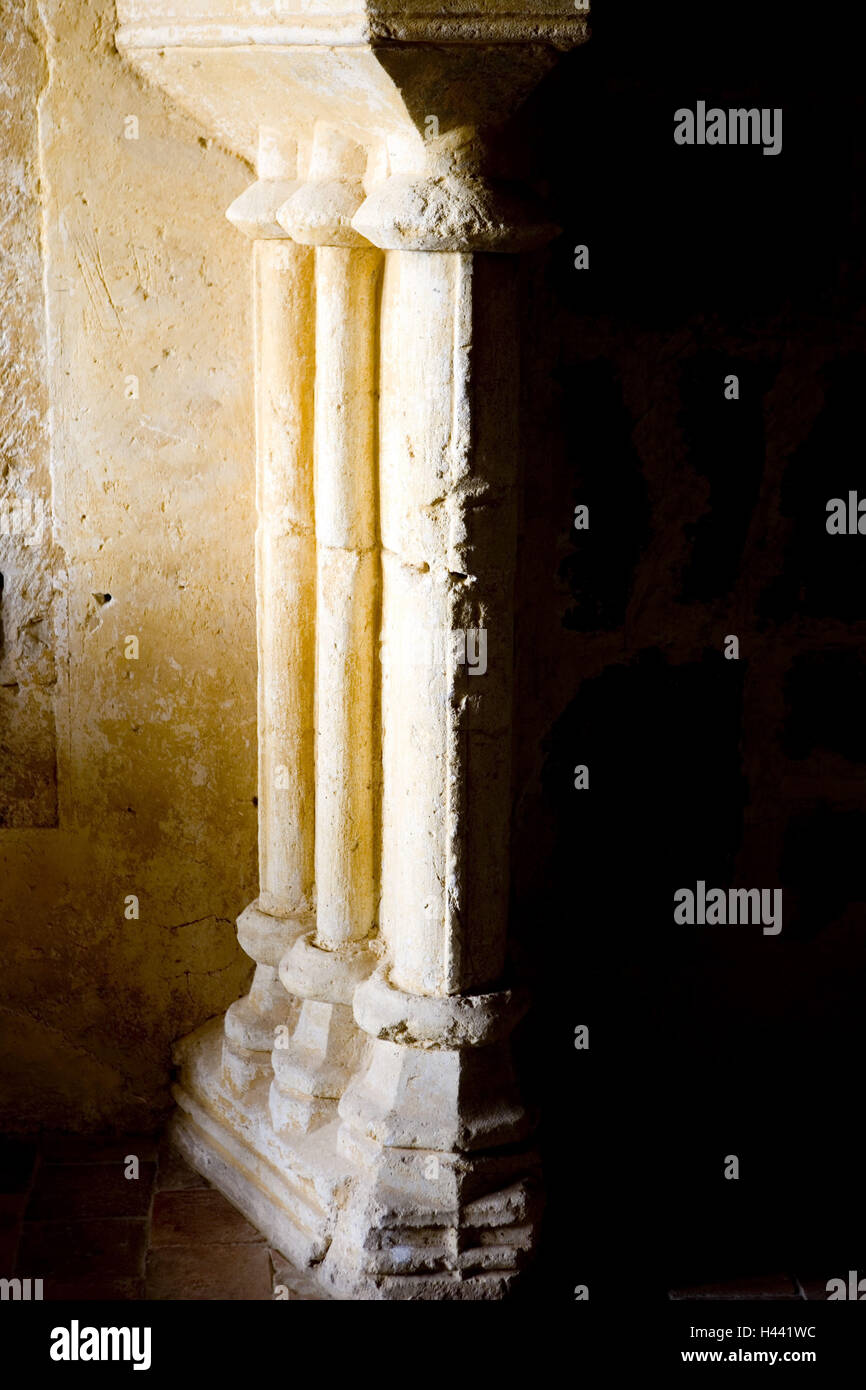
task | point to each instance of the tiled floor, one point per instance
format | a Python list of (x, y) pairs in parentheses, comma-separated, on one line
[(70, 1216)]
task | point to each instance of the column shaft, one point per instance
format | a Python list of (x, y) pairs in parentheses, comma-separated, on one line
[(347, 594), (286, 578), (323, 967), (447, 465), (285, 606)]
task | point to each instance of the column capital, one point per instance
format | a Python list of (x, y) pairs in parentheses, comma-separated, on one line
[(320, 211), (452, 209), (386, 72), (255, 212)]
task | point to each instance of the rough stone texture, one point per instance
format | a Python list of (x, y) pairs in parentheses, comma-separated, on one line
[(155, 781), (30, 565)]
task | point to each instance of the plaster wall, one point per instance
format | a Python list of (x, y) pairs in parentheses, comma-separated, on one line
[(125, 303)]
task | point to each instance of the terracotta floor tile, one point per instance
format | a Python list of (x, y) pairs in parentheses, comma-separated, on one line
[(96, 1148), (241, 1273), (198, 1218), (12, 1207), (94, 1291), (73, 1250), (11, 1215), (174, 1173), (8, 1250), (17, 1160), (77, 1191)]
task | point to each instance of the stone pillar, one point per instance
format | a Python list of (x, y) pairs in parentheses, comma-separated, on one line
[(227, 1087), (437, 1207), (323, 967), (283, 298), (382, 1141)]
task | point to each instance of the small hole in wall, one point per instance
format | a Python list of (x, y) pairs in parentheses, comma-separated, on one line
[(102, 598), (255, 801)]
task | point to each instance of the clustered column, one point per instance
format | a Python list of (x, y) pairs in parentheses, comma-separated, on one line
[(386, 400), (283, 294), (359, 1104), (324, 966)]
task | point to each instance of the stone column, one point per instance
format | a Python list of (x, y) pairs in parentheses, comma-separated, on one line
[(283, 297), (227, 1086), (383, 1141), (323, 967), (438, 1212)]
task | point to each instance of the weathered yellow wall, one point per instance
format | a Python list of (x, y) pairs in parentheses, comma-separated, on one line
[(119, 776)]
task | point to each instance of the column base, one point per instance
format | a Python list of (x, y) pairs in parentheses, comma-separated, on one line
[(290, 1188), (422, 1224), (251, 1024), (311, 1072), (368, 1222)]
